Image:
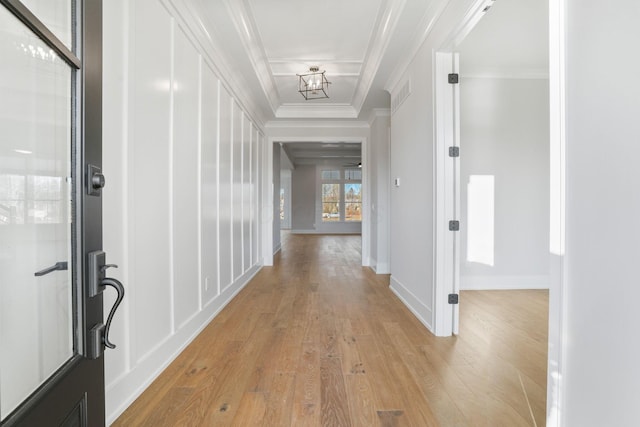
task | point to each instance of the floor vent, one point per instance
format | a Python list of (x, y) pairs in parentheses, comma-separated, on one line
[(400, 97)]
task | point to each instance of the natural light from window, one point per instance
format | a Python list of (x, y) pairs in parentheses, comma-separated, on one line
[(480, 219), (341, 195)]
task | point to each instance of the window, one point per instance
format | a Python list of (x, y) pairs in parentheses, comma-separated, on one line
[(341, 195), (352, 202), (330, 202)]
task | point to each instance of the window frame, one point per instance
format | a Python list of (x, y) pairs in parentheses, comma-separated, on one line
[(342, 181)]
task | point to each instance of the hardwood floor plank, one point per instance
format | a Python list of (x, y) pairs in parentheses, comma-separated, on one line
[(361, 401), (306, 409), (280, 398), (333, 396), (251, 410)]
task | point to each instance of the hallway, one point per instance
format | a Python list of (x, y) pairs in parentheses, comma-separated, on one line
[(319, 340)]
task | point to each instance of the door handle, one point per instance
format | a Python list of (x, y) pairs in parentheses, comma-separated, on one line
[(108, 281), (97, 282), (62, 265)]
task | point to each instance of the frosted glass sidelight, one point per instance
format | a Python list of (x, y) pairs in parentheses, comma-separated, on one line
[(36, 313)]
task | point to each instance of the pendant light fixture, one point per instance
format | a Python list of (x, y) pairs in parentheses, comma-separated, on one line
[(314, 84)]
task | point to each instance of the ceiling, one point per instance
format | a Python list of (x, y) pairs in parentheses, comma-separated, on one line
[(363, 45), (307, 153), (511, 40), (358, 42)]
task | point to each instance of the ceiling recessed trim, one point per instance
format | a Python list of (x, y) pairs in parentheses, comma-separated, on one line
[(213, 54), (250, 37), (288, 66), (318, 111), (385, 28), (318, 124), (429, 19)]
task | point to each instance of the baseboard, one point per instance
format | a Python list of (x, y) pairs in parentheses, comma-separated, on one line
[(324, 232), (123, 391), (423, 313), (485, 283), (277, 249)]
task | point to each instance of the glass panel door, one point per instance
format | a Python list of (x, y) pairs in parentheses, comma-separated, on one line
[(57, 15), (36, 262)]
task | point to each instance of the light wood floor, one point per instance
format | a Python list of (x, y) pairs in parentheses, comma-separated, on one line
[(318, 340)]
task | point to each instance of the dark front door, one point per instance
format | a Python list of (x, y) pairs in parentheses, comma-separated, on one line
[(51, 332)]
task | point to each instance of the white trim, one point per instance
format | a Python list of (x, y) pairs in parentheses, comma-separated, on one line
[(201, 283), (327, 233), (445, 207), (421, 311), (171, 174), (558, 289), (324, 124), (268, 208), (267, 203), (477, 283), (277, 249), (381, 267), (310, 111)]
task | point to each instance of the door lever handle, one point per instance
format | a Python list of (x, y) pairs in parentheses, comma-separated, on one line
[(62, 265), (107, 281)]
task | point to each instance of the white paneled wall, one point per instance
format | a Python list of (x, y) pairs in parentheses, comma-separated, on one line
[(181, 214)]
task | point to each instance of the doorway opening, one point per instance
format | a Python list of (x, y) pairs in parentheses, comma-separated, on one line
[(319, 187), (502, 181)]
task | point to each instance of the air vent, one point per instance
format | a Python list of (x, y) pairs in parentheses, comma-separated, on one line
[(400, 97)]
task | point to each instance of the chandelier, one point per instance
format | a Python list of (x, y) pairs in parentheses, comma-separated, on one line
[(314, 84)]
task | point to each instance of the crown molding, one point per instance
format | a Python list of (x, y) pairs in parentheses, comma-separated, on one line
[(425, 27), (333, 124), (189, 17), (384, 29), (288, 67), (317, 111), (250, 37)]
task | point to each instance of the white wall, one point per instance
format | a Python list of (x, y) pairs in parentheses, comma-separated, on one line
[(380, 186), (303, 198), (504, 130), (600, 343), (181, 158)]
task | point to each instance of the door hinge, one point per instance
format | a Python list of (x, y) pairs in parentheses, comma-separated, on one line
[(453, 298), (453, 78), (454, 151), (454, 225)]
